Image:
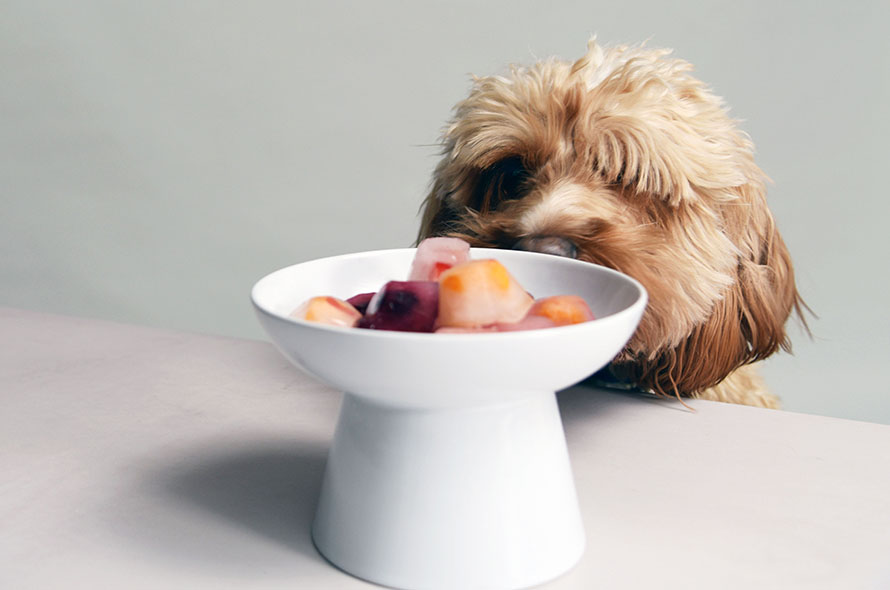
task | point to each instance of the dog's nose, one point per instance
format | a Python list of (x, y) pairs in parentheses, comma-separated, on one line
[(548, 245)]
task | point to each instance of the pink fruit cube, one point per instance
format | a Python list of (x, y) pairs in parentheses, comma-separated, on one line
[(476, 330), (327, 310), (480, 293), (529, 322), (436, 255)]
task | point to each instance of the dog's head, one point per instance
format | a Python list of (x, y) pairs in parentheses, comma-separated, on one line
[(624, 159)]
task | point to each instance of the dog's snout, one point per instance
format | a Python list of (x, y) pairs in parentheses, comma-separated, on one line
[(548, 245)]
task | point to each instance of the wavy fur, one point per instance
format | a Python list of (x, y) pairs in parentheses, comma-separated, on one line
[(635, 161)]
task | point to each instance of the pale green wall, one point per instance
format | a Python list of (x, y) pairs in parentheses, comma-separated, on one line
[(158, 157)]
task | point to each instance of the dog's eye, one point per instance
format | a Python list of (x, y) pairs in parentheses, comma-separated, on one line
[(506, 180)]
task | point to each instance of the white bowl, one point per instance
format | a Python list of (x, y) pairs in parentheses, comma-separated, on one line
[(449, 467), (449, 369)]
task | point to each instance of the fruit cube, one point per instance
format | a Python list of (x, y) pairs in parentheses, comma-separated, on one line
[(480, 293), (406, 306), (360, 302), (436, 255), (476, 330), (327, 310), (562, 310), (529, 322)]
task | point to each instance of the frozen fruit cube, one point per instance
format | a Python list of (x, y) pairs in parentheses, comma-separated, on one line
[(550, 312), (457, 330), (436, 255), (562, 309), (327, 310), (529, 322), (479, 293), (406, 306), (360, 302)]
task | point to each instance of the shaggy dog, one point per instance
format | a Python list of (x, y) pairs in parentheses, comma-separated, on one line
[(624, 159)]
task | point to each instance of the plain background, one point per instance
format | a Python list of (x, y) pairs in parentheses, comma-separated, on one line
[(157, 158)]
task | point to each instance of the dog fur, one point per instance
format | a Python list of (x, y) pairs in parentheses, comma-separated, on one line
[(624, 159)]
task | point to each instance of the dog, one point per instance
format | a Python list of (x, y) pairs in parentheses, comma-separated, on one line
[(623, 158)]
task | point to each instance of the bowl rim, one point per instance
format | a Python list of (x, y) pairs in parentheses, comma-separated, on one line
[(639, 304)]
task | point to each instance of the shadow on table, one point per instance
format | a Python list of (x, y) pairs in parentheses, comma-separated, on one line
[(270, 491), (246, 507)]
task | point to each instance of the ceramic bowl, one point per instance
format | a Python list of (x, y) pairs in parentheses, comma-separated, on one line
[(449, 467), (447, 369)]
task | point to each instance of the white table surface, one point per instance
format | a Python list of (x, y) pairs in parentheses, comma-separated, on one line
[(139, 458)]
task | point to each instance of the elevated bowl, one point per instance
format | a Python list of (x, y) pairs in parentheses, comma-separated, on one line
[(449, 467)]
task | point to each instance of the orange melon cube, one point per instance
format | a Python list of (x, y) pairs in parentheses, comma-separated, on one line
[(562, 310), (480, 293)]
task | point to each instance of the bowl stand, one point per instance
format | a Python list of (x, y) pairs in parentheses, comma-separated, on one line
[(467, 496)]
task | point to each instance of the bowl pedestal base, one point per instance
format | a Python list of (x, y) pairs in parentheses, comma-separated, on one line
[(474, 496)]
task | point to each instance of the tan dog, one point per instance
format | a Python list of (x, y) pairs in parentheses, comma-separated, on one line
[(624, 159)]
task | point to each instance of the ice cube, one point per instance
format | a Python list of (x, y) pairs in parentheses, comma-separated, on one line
[(327, 310), (480, 293), (456, 330), (436, 255), (406, 306), (562, 310), (360, 302), (529, 322)]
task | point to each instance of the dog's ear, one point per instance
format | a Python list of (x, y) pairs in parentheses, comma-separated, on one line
[(439, 214), (746, 325), (429, 211), (657, 131), (432, 210), (653, 127)]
